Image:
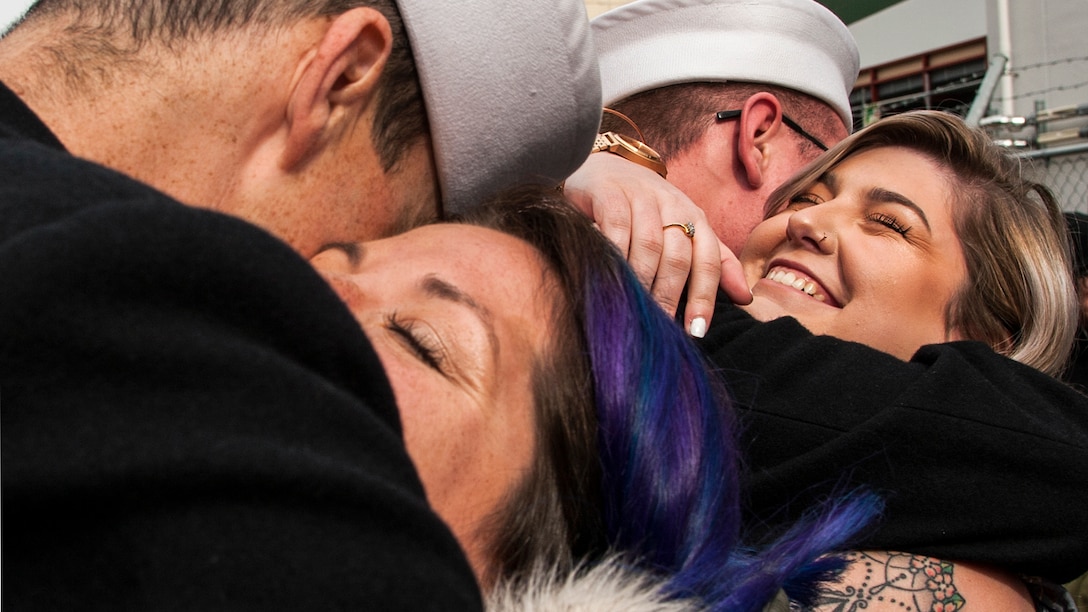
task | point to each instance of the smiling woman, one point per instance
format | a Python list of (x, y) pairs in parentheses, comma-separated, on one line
[(873, 245), (916, 231)]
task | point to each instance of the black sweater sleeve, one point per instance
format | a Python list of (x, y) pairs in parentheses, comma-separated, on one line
[(979, 458), (190, 418)]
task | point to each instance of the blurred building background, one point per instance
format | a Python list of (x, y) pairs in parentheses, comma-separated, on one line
[(1019, 68)]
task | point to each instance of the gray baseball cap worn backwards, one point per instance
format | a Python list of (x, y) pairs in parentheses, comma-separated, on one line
[(512, 91)]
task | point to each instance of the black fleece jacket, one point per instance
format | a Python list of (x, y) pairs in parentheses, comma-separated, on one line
[(978, 458), (190, 417)]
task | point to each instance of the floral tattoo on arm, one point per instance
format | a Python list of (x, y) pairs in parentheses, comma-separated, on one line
[(877, 580)]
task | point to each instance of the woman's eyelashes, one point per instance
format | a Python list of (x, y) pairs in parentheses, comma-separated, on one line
[(803, 200), (889, 221), (424, 346)]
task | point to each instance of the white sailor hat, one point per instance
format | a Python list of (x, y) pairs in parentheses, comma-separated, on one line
[(512, 91), (797, 44)]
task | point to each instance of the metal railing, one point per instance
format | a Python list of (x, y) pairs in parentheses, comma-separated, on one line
[(1065, 171)]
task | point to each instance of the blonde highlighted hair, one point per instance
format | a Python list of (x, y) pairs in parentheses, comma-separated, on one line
[(1019, 297)]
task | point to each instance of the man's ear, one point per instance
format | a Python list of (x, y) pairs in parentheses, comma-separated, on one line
[(335, 81), (760, 120)]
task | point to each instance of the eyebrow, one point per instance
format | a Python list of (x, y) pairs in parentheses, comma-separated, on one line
[(879, 194), (438, 288)]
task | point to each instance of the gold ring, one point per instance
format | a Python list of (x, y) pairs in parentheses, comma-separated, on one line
[(689, 228)]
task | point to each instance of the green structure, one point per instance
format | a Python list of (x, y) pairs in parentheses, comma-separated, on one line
[(852, 10)]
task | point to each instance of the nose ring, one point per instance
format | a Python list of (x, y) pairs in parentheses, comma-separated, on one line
[(822, 239)]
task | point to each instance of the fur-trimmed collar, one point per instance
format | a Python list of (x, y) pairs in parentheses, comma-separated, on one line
[(609, 586)]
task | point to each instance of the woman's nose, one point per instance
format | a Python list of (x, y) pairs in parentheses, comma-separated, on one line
[(813, 229)]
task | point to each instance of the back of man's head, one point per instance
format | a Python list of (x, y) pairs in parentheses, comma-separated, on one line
[(796, 49), (468, 74), (736, 95)]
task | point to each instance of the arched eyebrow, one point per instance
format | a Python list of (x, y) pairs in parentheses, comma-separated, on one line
[(878, 194), (438, 288)]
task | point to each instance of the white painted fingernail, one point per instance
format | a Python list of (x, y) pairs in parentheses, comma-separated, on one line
[(698, 327)]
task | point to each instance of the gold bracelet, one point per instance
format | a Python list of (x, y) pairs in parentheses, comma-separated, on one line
[(632, 150)]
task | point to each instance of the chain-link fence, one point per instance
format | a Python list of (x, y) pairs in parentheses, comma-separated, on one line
[(1065, 171)]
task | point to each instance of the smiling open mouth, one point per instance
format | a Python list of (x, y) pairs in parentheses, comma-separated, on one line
[(800, 283)]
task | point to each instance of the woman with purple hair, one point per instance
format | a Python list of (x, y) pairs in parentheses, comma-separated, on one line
[(562, 425)]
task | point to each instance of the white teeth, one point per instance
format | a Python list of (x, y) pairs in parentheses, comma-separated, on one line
[(792, 280)]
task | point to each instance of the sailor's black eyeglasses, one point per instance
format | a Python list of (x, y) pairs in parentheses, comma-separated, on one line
[(790, 123)]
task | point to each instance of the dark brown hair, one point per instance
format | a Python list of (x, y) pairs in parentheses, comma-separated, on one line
[(554, 515)]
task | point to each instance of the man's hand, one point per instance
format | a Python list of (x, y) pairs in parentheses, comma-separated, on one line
[(631, 204)]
